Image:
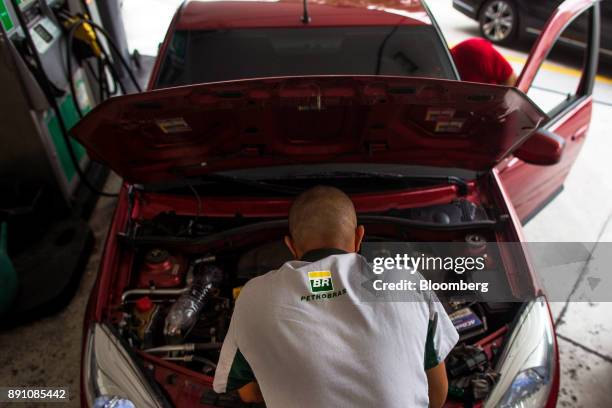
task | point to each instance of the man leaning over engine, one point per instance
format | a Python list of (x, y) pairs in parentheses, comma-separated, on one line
[(301, 337)]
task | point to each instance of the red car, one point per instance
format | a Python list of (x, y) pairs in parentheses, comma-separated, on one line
[(362, 96)]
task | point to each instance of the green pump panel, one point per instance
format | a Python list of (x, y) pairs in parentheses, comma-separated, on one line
[(5, 17), (37, 149), (71, 118)]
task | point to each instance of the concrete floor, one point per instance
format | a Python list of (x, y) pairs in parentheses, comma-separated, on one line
[(47, 352)]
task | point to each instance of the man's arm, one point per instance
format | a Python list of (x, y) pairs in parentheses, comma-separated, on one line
[(251, 393), (233, 370), (441, 338), (437, 384)]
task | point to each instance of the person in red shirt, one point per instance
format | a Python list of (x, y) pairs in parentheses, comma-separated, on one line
[(478, 61)]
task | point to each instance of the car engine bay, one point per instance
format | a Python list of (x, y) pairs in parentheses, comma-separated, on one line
[(179, 299)]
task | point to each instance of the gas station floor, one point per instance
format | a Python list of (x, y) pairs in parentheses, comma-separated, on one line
[(47, 352)]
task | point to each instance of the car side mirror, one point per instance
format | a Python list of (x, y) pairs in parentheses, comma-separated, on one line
[(543, 148)]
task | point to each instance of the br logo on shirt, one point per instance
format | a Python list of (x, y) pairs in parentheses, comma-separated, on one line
[(320, 281)]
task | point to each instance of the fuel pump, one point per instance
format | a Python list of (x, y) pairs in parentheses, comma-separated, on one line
[(55, 66), (33, 48)]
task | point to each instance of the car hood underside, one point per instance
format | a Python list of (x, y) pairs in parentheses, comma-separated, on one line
[(188, 131)]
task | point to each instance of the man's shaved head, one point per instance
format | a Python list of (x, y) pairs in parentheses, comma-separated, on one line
[(323, 217)]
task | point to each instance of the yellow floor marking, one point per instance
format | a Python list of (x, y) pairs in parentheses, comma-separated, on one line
[(556, 68)]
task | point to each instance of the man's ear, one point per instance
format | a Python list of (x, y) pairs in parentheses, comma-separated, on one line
[(359, 233), (289, 243)]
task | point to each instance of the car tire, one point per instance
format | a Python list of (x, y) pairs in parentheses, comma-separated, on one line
[(499, 21)]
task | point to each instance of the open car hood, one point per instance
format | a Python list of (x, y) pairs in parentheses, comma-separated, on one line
[(181, 132)]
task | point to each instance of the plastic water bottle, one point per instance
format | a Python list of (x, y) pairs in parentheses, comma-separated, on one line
[(185, 311)]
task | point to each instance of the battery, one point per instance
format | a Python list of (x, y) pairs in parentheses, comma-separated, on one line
[(467, 322)]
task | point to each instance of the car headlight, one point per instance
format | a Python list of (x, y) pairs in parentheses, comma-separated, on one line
[(111, 376), (527, 365)]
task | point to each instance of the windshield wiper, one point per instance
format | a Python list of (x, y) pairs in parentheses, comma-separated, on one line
[(270, 185), (223, 178), (462, 184), (260, 184)]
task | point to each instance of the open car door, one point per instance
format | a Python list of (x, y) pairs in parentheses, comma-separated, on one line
[(530, 177)]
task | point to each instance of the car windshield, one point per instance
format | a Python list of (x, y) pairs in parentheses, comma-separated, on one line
[(230, 54)]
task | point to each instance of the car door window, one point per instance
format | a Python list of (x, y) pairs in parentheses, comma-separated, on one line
[(557, 83), (563, 90)]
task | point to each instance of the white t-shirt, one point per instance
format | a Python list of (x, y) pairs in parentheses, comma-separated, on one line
[(306, 336)]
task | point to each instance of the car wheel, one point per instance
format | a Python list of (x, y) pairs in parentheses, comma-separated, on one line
[(499, 21)]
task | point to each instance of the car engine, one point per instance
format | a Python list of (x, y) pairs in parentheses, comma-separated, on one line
[(178, 304)]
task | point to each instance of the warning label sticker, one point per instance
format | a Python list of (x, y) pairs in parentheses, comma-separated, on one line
[(173, 125), (451, 126), (436, 114)]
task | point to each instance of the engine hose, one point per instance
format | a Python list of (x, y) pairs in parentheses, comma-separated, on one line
[(185, 347), (60, 120), (205, 361), (191, 357), (155, 292)]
